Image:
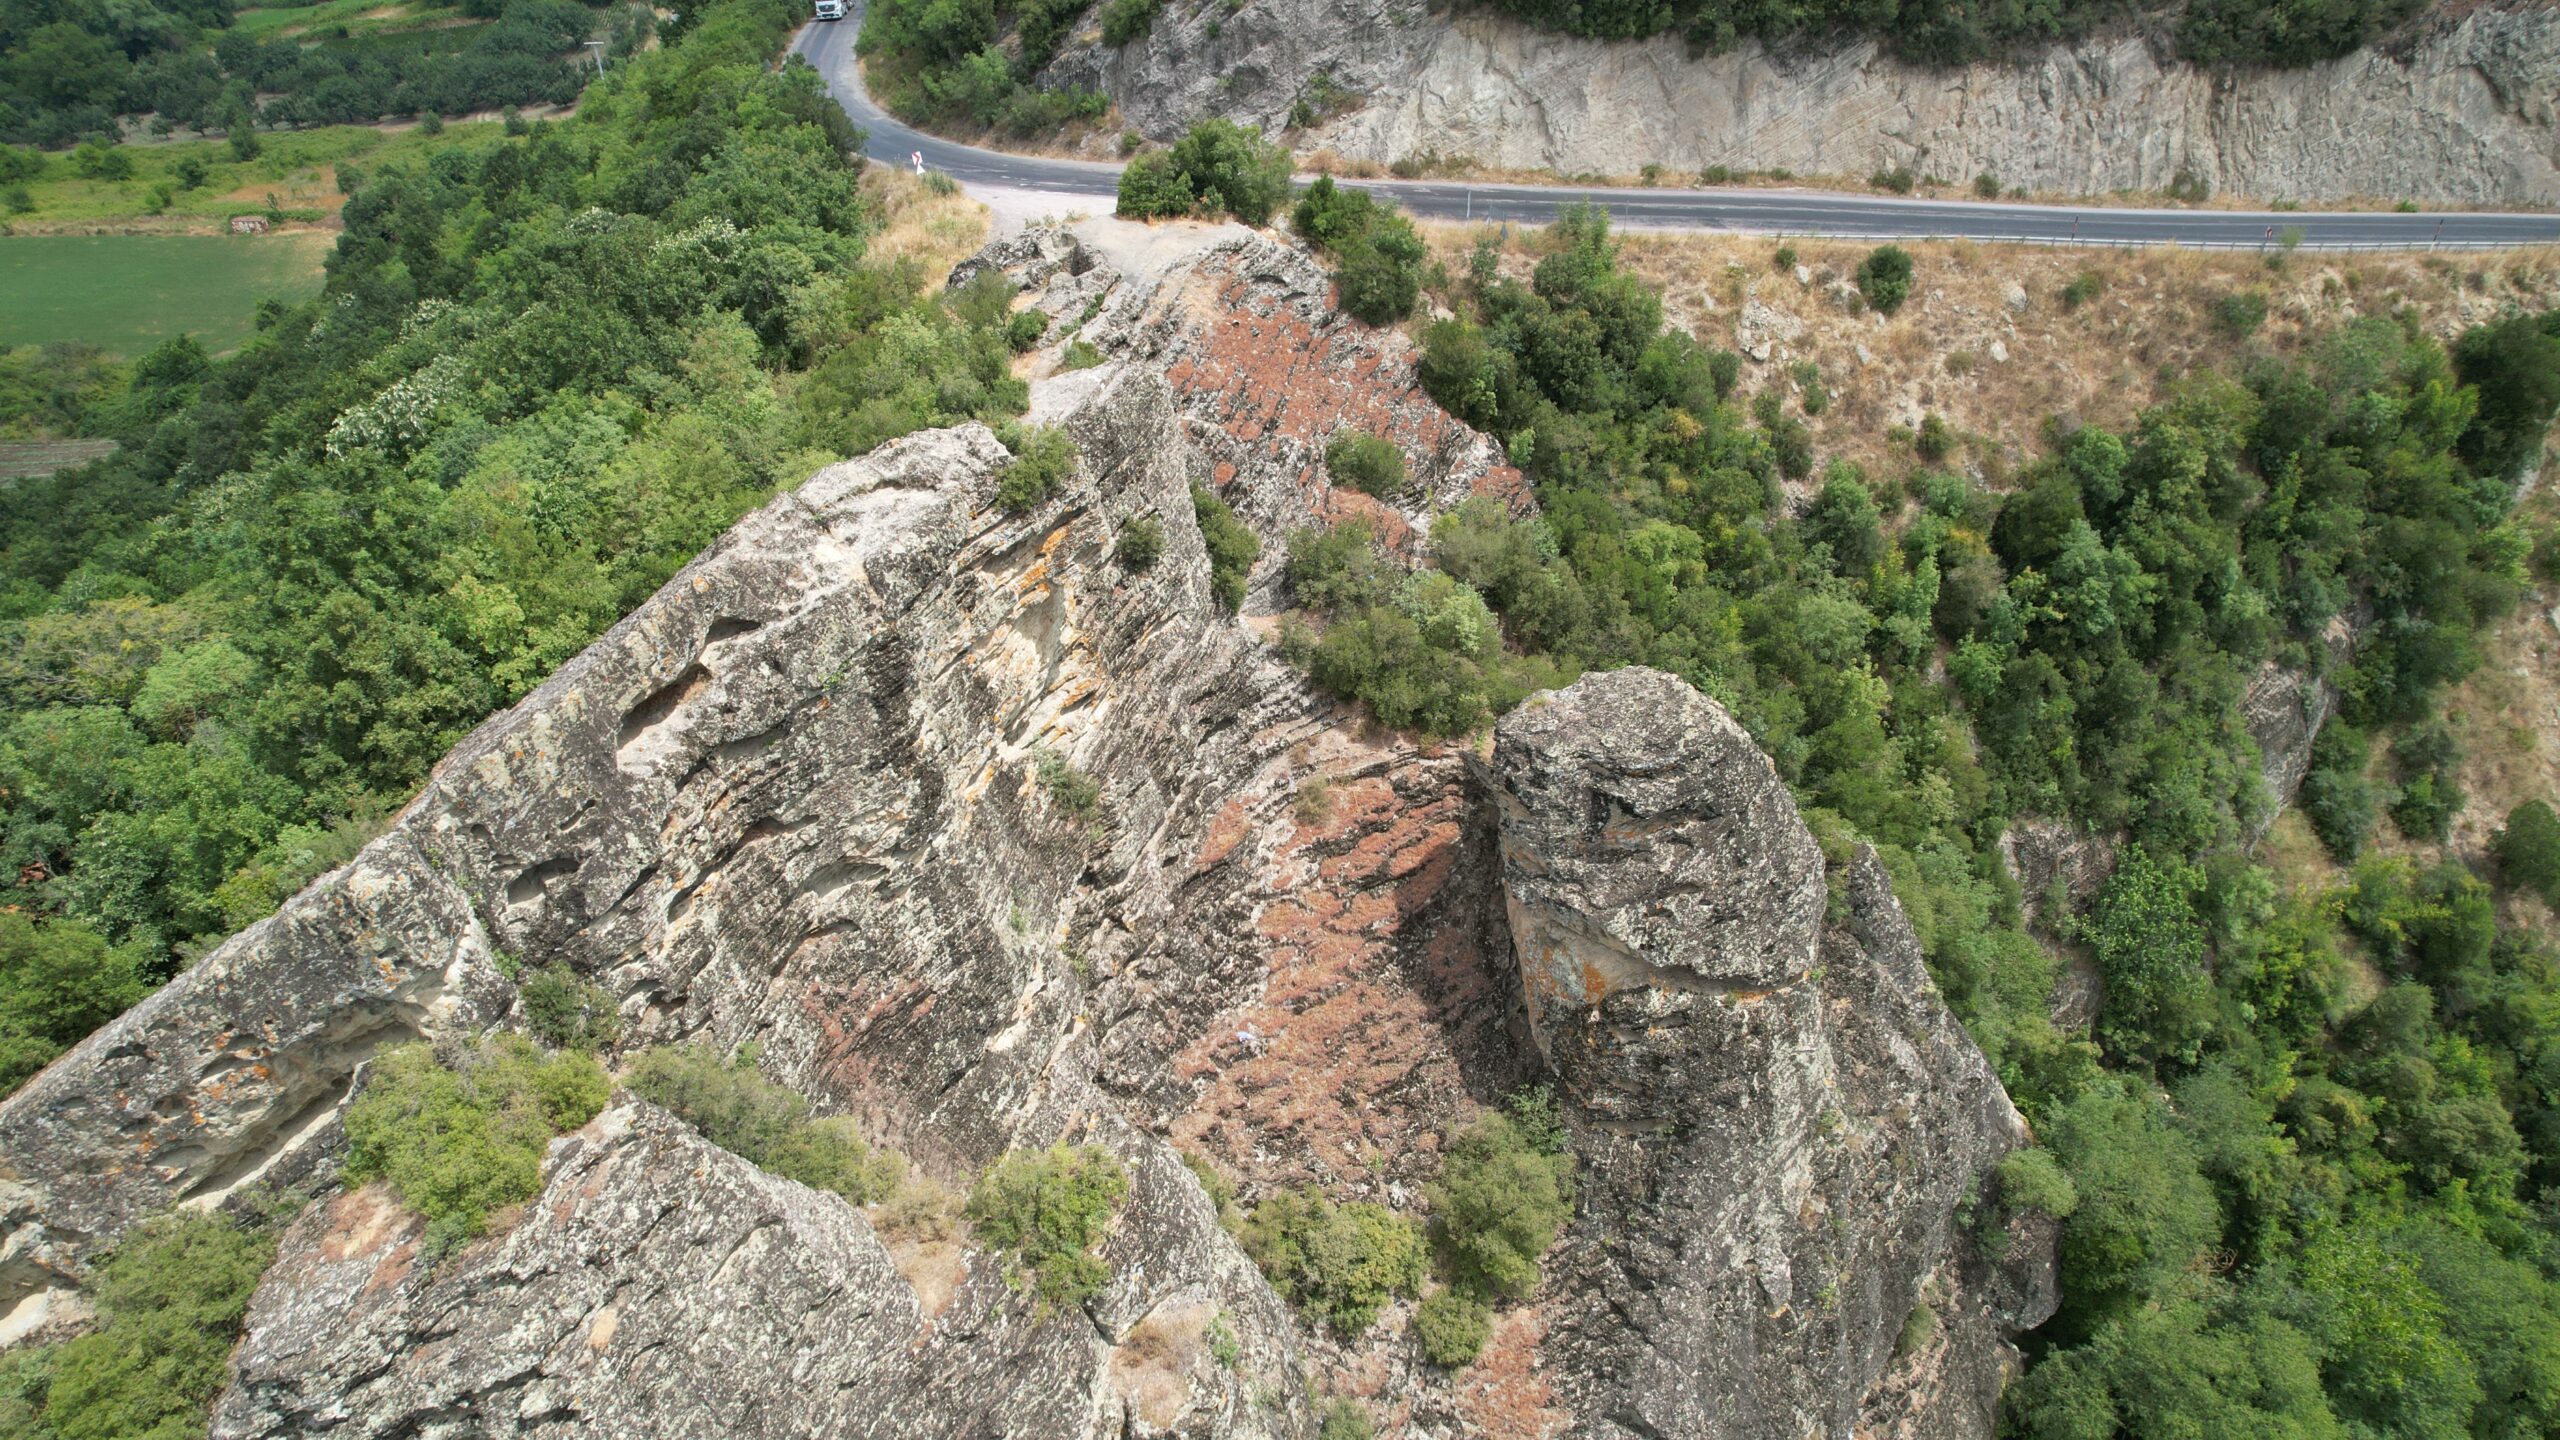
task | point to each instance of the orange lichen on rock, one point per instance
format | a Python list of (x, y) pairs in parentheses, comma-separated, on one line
[(1504, 1393), (1348, 1062)]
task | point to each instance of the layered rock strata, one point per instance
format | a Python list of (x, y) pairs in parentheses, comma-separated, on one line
[(2461, 110)]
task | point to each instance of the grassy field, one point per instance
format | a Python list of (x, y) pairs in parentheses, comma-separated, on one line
[(330, 18), (127, 293), (297, 169)]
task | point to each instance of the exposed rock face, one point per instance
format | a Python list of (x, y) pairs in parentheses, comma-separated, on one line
[(662, 1287), (1781, 1115), (1264, 372), (2463, 112), (2283, 709)]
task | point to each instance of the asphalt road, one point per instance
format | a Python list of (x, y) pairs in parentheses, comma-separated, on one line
[(829, 47)]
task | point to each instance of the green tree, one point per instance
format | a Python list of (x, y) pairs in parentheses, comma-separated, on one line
[(58, 982), (2528, 851), (2150, 946), (1231, 168)]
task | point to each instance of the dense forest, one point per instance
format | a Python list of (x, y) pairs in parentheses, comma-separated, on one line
[(73, 66), (542, 375), (1954, 32), (2305, 1164), (943, 62)]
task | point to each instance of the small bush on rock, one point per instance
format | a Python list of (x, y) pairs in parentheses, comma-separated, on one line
[(736, 1108), (1505, 1191), (1367, 463), (1343, 1262), (1049, 1208), (566, 1013), (1453, 1328), (1232, 547), (1043, 458), (1141, 543), (457, 1143)]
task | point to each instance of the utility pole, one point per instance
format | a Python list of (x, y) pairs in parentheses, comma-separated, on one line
[(598, 46)]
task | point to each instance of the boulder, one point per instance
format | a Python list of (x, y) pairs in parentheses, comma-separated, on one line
[(1781, 1121)]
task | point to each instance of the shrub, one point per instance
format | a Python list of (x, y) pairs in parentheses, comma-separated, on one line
[(1151, 185), (2084, 287), (1043, 457), (1716, 175), (459, 1143), (1381, 274), (1784, 257), (170, 1300), (1367, 463), (1933, 442), (1231, 167), (1987, 185), (2424, 757), (1079, 355), (1808, 378), (1127, 20), (1025, 329), (97, 160), (2031, 1179), (1067, 787), (1346, 1420), (1232, 547), (1453, 1328), (1141, 543), (2238, 315), (736, 1108), (1918, 1329), (566, 1013), (1343, 1262), (2336, 798), (1899, 180), (1884, 277), (2528, 851), (1049, 1208), (1503, 1193)]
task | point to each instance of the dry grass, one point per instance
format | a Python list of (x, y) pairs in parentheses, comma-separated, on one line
[(2101, 362), (937, 231)]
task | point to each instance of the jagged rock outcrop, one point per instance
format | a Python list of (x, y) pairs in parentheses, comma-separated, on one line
[(797, 799), (1264, 372), (2461, 111), (662, 1287), (2283, 710), (1781, 1117)]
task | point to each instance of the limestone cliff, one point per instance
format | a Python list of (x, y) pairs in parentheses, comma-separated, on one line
[(794, 799), (2461, 111)]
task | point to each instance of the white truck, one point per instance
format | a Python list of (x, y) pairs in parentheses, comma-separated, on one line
[(830, 9)]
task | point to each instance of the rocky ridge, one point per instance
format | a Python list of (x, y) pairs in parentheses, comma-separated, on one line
[(2460, 112), (795, 799)]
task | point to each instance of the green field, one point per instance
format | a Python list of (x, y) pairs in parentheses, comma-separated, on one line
[(127, 293)]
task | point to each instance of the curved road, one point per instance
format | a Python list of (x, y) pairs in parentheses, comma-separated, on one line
[(829, 47)]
